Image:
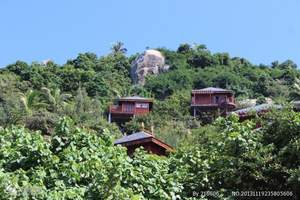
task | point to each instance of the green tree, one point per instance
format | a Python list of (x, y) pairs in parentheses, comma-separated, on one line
[(85, 61), (56, 100), (118, 47), (31, 101)]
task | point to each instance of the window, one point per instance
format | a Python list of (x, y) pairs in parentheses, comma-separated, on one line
[(128, 107), (142, 105)]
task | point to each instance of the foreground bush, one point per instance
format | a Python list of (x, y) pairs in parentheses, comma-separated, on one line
[(225, 157), (78, 164)]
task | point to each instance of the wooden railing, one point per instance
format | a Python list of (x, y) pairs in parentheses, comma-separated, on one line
[(228, 101), (118, 109)]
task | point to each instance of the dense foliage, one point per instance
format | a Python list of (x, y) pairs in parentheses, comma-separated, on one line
[(76, 163), (85, 86), (71, 156)]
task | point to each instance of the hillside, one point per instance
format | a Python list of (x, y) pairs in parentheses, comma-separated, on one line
[(73, 155), (37, 95)]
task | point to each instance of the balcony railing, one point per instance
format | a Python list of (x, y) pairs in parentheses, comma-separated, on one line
[(118, 109), (213, 103)]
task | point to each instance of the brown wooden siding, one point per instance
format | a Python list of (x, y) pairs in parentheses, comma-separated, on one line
[(149, 147), (206, 99)]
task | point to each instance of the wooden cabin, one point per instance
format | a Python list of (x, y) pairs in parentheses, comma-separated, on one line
[(212, 99), (128, 107), (144, 139)]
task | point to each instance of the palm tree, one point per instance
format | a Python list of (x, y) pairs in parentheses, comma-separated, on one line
[(31, 101), (55, 99), (118, 47)]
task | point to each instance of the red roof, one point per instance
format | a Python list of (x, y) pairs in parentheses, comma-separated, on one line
[(211, 90)]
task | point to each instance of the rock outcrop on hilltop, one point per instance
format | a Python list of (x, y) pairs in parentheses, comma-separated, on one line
[(150, 62)]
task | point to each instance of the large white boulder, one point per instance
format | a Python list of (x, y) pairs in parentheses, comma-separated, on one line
[(150, 62)]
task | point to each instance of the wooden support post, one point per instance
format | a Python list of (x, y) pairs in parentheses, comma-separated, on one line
[(109, 117)]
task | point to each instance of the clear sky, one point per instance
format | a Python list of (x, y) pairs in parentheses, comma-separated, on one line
[(260, 30)]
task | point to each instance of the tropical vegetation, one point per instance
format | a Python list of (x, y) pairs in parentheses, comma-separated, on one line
[(56, 142)]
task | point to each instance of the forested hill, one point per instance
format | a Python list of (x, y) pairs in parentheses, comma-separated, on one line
[(38, 94), (72, 154)]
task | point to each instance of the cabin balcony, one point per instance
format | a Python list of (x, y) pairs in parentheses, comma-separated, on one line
[(230, 102), (194, 104), (116, 109)]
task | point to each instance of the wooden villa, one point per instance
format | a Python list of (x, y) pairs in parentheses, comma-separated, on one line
[(212, 100), (144, 139), (128, 107)]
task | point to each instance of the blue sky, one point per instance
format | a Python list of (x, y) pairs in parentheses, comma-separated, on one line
[(260, 30)]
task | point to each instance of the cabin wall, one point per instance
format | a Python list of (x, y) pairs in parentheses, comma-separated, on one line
[(231, 99), (128, 107), (141, 111), (210, 98), (141, 108), (125, 110), (135, 107), (202, 99), (149, 147), (156, 149)]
